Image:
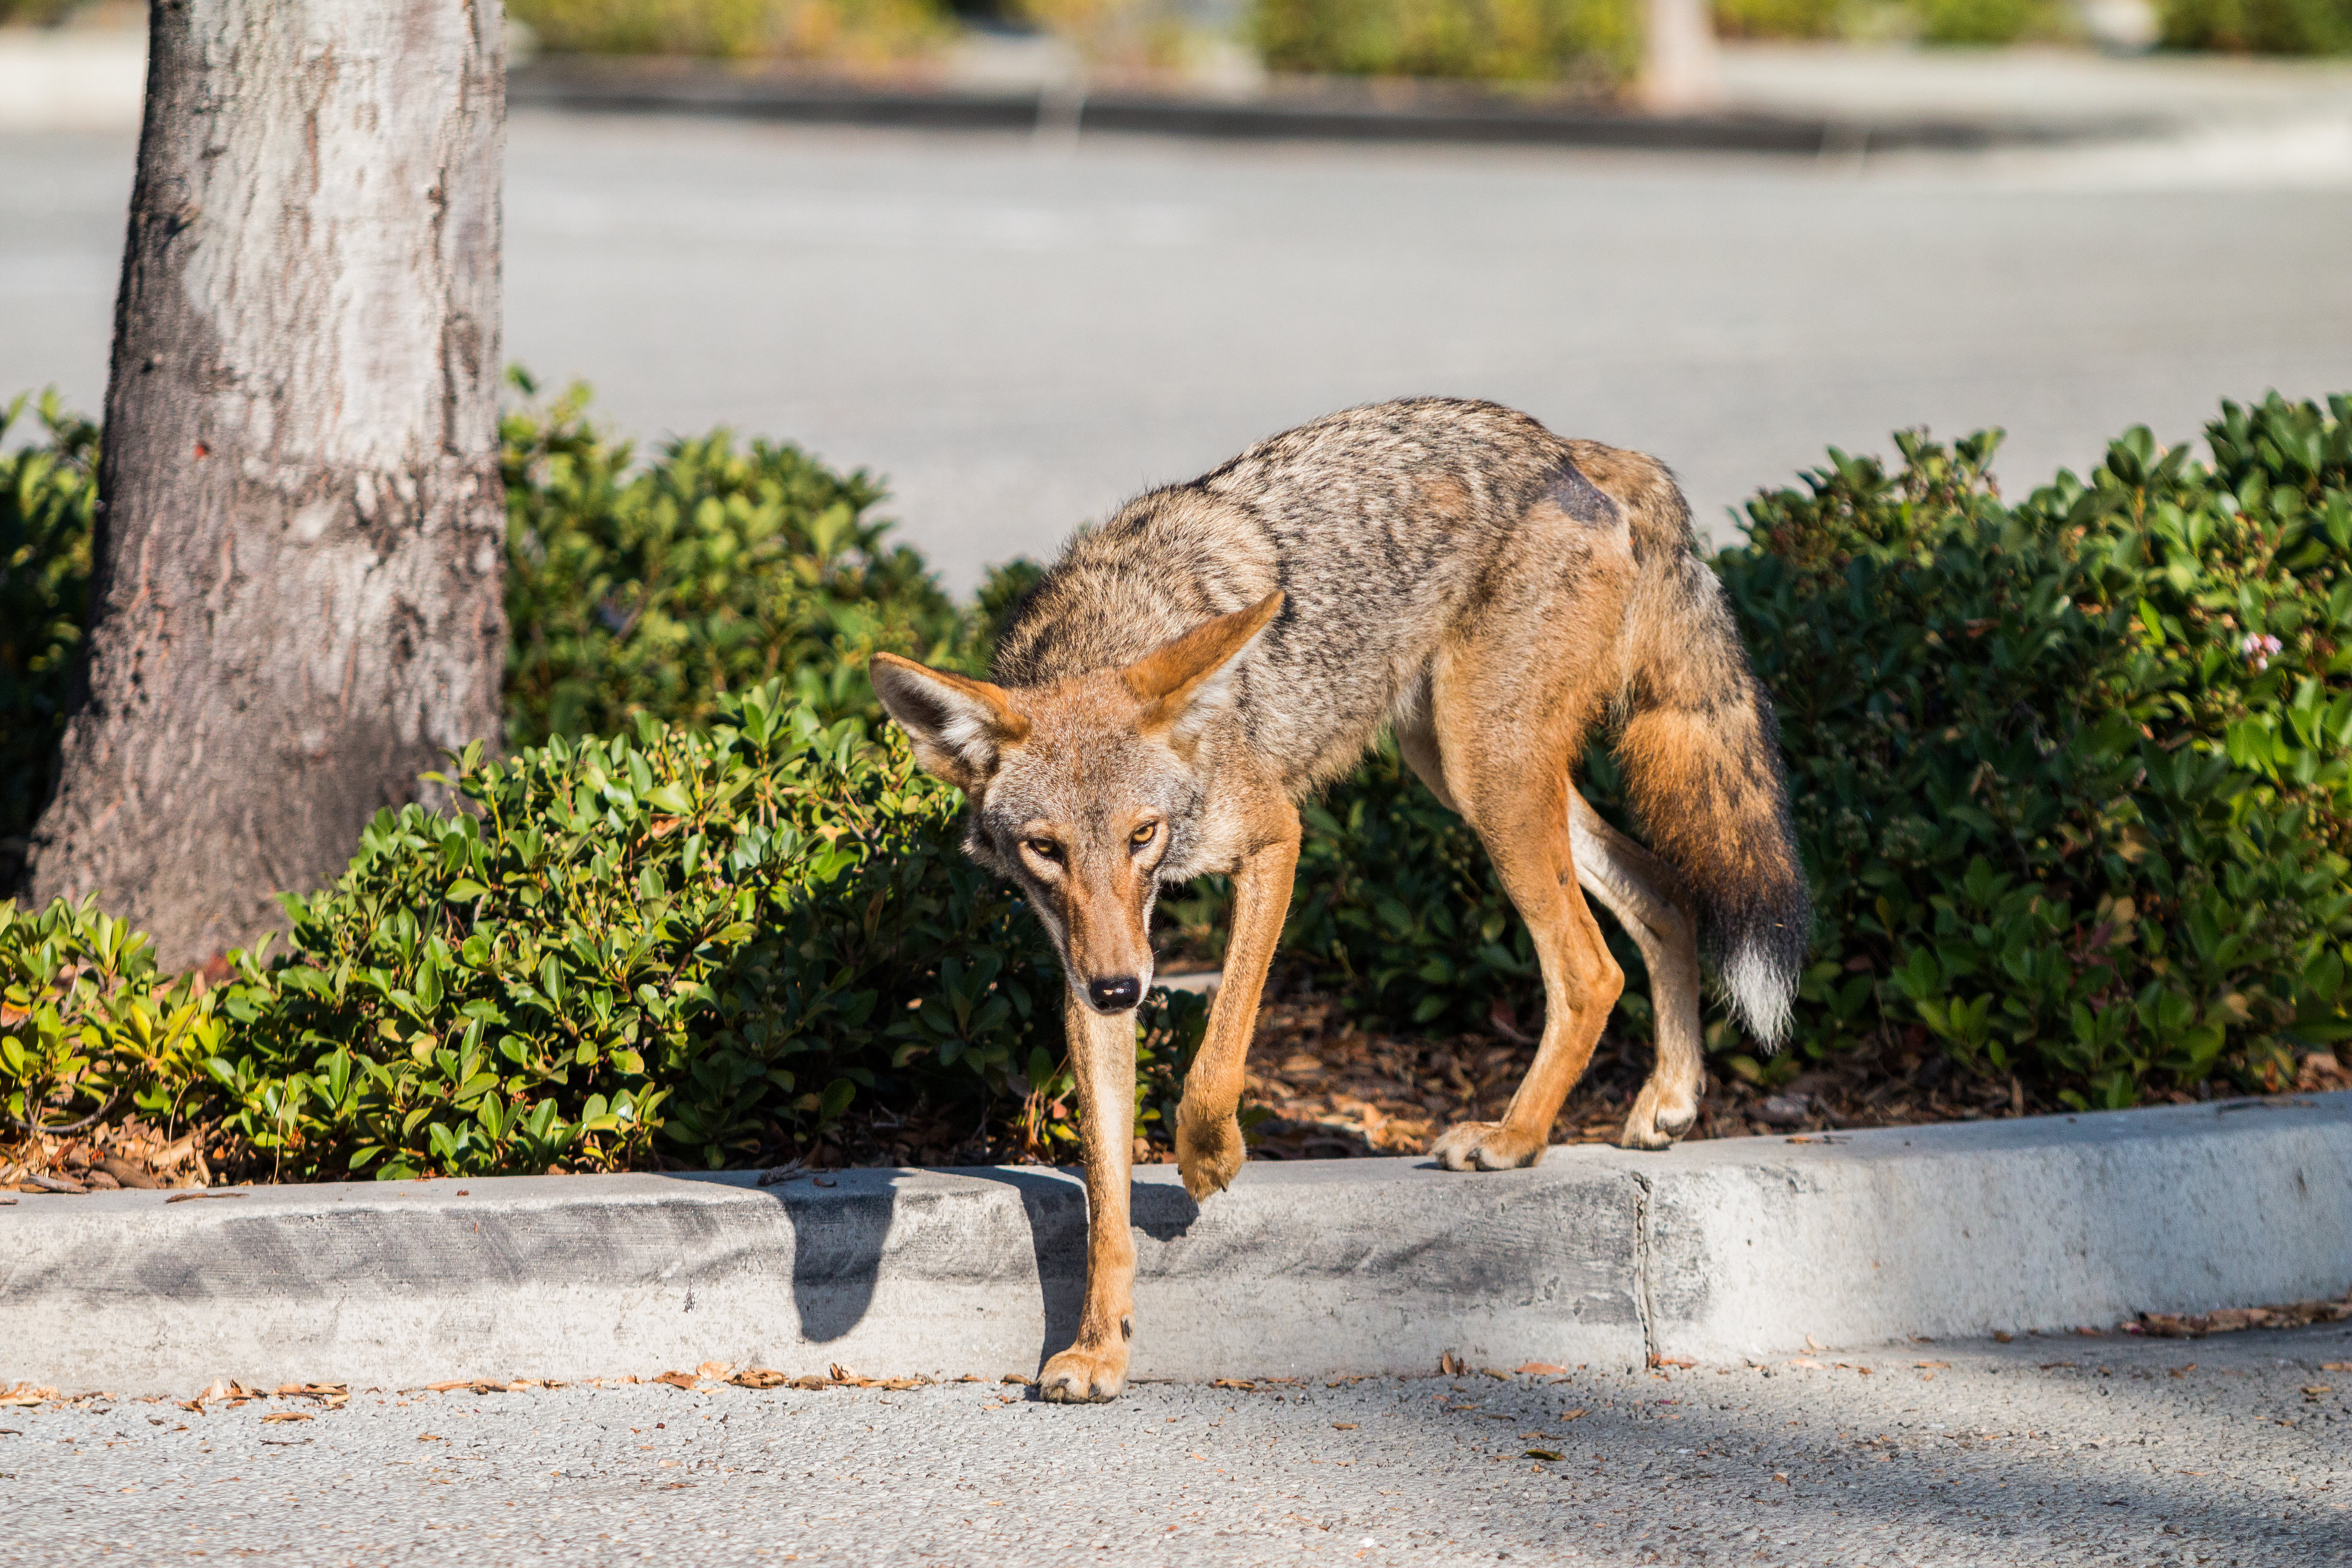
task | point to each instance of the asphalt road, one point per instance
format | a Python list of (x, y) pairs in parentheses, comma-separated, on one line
[(1021, 336), (2047, 1452)]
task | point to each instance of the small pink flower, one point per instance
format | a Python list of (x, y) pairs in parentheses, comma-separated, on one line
[(2257, 648)]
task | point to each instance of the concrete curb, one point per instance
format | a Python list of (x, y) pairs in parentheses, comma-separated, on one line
[(1337, 112), (1714, 1252)]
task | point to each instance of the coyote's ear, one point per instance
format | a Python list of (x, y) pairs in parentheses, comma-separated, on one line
[(958, 726), (1188, 680)]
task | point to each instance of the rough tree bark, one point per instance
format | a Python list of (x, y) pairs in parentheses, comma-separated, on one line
[(297, 598)]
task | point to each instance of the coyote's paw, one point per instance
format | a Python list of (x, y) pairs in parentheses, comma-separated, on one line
[(1209, 1153), (1084, 1374), (1486, 1146), (1659, 1116)]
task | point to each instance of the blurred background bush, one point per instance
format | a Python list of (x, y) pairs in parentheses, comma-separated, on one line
[(850, 31), (2260, 27), (1496, 40), (1584, 42), (1588, 41)]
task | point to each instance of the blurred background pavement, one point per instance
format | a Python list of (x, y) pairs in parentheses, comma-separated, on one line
[(1020, 330)]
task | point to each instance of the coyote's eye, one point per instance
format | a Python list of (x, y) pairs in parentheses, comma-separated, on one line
[(1142, 836), (1043, 849)]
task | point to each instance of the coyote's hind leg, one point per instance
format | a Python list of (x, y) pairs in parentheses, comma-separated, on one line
[(1499, 780), (1646, 896)]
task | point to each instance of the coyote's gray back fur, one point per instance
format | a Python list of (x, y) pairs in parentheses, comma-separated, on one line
[(1400, 528)]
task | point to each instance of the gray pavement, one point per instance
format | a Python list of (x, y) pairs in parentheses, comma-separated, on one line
[(1020, 335), (2061, 1450)]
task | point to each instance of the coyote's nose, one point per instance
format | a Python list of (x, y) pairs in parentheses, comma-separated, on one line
[(1116, 994)]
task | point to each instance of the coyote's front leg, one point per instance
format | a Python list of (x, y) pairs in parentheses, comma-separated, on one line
[(1102, 1049), (1209, 1150)]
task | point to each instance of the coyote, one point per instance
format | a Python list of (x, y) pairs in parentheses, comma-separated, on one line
[(1487, 590)]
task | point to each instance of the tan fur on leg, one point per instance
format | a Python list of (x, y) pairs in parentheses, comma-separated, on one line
[(1209, 1150), (1102, 1050), (1511, 782), (1647, 898)]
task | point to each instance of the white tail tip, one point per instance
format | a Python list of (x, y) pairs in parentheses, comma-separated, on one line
[(1761, 992)]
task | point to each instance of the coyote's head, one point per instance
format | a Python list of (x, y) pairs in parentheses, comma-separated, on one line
[(1090, 792)]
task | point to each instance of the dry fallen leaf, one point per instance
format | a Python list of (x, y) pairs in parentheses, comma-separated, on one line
[(2002, 1336), (1552, 1453), (288, 1415), (1931, 1364), (759, 1377), (431, 1437), (191, 1194), (716, 1371), (676, 1379), (26, 1394), (2332, 1366), (1450, 1366), (1543, 1369), (1343, 1425), (1234, 1383)]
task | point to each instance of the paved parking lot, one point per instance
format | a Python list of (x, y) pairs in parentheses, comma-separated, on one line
[(2227, 1450), (1019, 337)]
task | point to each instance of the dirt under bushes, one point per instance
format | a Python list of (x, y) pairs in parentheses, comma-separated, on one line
[(1319, 1087)]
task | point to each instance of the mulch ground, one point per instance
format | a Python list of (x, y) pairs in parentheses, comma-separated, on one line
[(1320, 1088)]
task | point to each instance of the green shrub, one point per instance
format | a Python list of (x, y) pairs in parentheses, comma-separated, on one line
[(2070, 776), (735, 29), (681, 944), (723, 934), (87, 1028), (48, 500), (658, 590), (654, 589), (2260, 27), (1504, 40)]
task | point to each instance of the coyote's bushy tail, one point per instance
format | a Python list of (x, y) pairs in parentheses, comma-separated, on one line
[(1701, 753)]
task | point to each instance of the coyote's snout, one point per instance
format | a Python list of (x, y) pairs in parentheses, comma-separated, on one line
[(1450, 571)]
